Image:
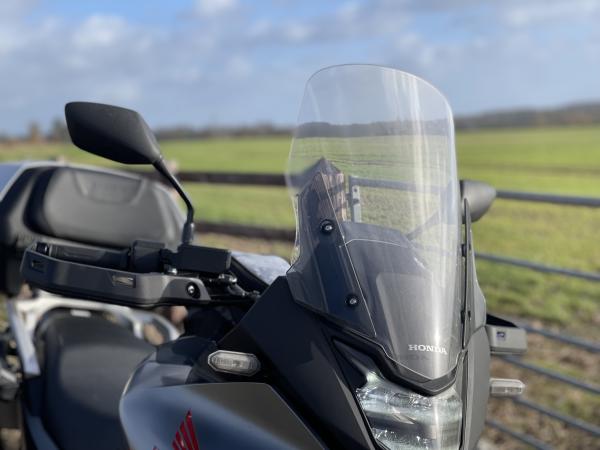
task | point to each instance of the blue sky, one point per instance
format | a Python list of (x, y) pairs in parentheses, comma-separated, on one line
[(202, 62)]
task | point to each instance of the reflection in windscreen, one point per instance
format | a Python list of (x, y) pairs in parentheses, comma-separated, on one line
[(405, 297), (7, 172)]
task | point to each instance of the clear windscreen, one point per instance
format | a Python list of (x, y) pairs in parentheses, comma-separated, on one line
[(372, 173)]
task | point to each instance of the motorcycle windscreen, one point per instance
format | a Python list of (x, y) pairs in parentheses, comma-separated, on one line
[(372, 173)]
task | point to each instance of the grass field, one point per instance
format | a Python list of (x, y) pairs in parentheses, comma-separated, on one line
[(553, 160)]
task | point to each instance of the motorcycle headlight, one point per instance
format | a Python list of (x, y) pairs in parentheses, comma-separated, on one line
[(403, 420)]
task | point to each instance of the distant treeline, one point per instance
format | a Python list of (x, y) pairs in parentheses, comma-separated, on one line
[(215, 132), (58, 132), (576, 114)]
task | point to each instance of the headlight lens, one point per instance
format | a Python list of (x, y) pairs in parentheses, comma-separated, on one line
[(403, 420)]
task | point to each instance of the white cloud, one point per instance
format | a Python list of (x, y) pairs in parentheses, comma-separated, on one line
[(100, 31), (542, 12), (11, 9), (213, 8), (298, 32), (238, 67)]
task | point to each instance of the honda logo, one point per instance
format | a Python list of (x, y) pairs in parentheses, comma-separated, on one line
[(185, 437), (427, 348)]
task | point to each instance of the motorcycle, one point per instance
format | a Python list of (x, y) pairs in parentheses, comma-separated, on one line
[(376, 335)]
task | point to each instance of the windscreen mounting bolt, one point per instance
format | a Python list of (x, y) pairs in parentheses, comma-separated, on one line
[(192, 290), (327, 227), (352, 300), (42, 248)]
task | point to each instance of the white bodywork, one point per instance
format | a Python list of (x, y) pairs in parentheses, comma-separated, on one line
[(24, 315)]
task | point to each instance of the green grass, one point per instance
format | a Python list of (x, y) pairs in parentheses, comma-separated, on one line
[(253, 205), (214, 155), (557, 160)]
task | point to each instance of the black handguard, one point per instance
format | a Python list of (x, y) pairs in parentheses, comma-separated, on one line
[(93, 256)]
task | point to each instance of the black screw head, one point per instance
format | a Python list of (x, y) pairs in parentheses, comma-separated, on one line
[(327, 227), (352, 300), (192, 290), (42, 248)]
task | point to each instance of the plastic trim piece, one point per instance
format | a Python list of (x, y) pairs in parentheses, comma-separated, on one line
[(38, 432), (25, 347), (506, 340)]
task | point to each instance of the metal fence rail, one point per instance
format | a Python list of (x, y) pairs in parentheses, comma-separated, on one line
[(247, 231), (571, 421), (577, 342), (594, 389), (569, 200), (274, 179), (538, 267)]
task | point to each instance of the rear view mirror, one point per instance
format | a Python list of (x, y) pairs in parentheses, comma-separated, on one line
[(122, 135), (115, 133), (479, 195)]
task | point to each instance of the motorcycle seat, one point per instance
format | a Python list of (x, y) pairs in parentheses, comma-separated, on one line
[(102, 208), (86, 364)]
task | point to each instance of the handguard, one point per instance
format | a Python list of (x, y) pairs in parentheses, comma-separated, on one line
[(102, 278)]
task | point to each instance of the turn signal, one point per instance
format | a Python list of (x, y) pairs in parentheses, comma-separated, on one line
[(506, 387), (234, 362)]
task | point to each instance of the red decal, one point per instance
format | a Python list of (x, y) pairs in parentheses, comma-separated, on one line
[(179, 440), (185, 437), (191, 431)]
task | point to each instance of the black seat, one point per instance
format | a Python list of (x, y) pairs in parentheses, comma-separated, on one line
[(102, 208), (87, 362)]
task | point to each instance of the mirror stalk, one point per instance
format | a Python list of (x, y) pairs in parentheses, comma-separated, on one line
[(188, 228)]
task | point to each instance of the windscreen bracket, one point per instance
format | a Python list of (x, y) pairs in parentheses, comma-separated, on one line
[(469, 289)]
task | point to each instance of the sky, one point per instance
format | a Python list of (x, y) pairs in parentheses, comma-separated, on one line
[(225, 62)]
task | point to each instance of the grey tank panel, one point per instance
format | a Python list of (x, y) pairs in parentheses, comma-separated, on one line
[(222, 415)]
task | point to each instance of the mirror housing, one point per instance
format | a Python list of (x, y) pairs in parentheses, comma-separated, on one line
[(115, 133), (479, 195), (122, 135)]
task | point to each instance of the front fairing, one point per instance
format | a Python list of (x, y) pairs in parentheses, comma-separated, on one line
[(372, 174)]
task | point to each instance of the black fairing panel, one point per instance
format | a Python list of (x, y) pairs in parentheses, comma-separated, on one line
[(477, 383), (299, 360)]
